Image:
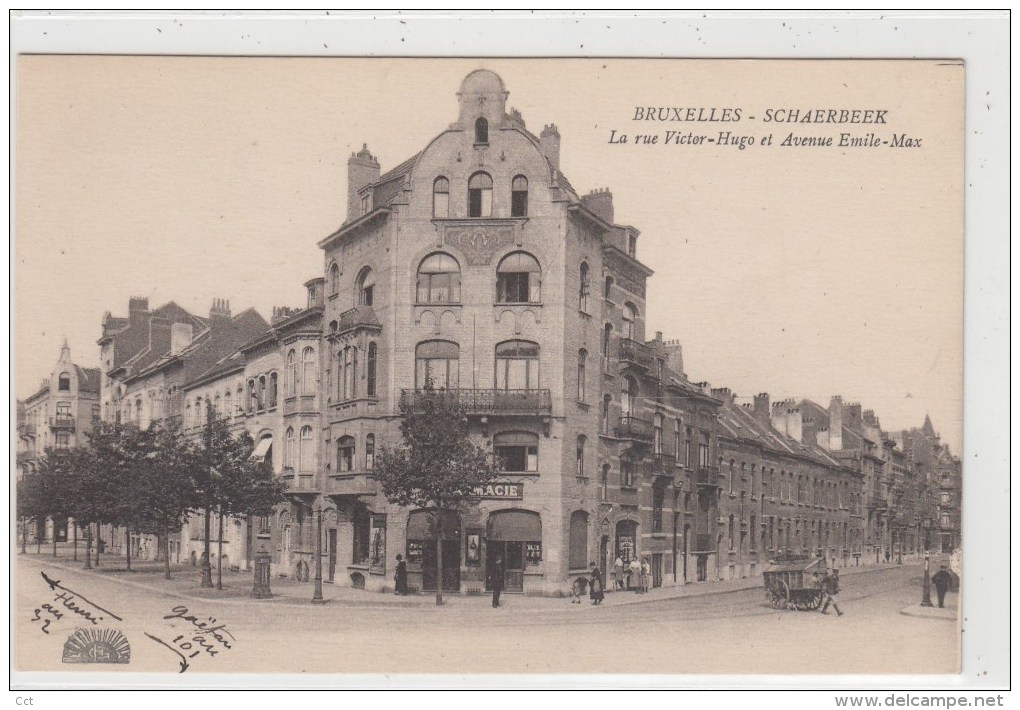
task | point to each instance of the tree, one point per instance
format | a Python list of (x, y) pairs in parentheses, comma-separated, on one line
[(30, 504), (438, 466)]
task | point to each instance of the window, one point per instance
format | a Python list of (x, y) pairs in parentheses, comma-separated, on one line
[(657, 438), (626, 473), (347, 376), (703, 450), (578, 554), (481, 131), (366, 203), (658, 498), (334, 279), (271, 402), (64, 382), (944, 497), (582, 357), (632, 246), (366, 286), (291, 375), (438, 279), (604, 482), (518, 450), (307, 453), (480, 195), (345, 454), (262, 392), (288, 449), (441, 198), (584, 288), (362, 524), (676, 440), (581, 441), (731, 526), (518, 279), (371, 369), (64, 410), (519, 197), (217, 405), (95, 412), (607, 292), (517, 365), (63, 439), (732, 462), (628, 396), (630, 315), (438, 362), (607, 335), (308, 371), (369, 452), (606, 399), (228, 405), (138, 412)]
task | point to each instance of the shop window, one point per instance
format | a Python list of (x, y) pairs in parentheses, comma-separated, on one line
[(480, 195), (518, 279), (518, 451), (441, 198), (437, 362), (517, 365), (370, 374), (438, 279), (519, 197), (481, 131), (626, 540), (366, 287), (583, 288), (377, 551), (361, 547), (345, 454)]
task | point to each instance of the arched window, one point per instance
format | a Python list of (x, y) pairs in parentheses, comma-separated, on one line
[(518, 279), (291, 373), (271, 401), (517, 365), (582, 357), (519, 197), (606, 399), (481, 131), (138, 412), (334, 279), (578, 540), (345, 454), (262, 393), (604, 482), (630, 315), (518, 451), (217, 406), (480, 195), (441, 198), (366, 286), (585, 287), (371, 370), (657, 438), (288, 448), (628, 396), (438, 362), (228, 405), (732, 474), (369, 452), (607, 335), (64, 382), (307, 461), (607, 292), (240, 399), (347, 376), (438, 279), (581, 441), (308, 371)]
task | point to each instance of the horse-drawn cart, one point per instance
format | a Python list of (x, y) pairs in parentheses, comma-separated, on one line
[(795, 583)]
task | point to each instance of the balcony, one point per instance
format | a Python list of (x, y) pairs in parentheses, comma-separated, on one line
[(877, 503), (490, 402), (26, 429), (703, 544), (351, 484), (634, 429), (664, 466), (299, 482), (631, 351), (305, 404), (707, 476), (63, 422)]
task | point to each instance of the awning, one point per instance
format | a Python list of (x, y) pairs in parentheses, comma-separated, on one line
[(262, 448), (421, 525), (515, 526)]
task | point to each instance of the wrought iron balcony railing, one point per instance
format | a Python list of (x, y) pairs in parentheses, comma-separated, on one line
[(634, 429), (634, 352), (62, 421), (490, 402), (664, 465), (707, 476)]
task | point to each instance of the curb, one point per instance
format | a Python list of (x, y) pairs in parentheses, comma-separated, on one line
[(917, 611)]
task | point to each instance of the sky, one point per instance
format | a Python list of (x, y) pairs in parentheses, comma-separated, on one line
[(799, 271)]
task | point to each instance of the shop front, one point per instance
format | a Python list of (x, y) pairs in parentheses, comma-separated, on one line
[(422, 549), (515, 536)]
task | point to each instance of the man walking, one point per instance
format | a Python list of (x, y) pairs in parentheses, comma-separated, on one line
[(831, 586), (941, 580), (496, 580)]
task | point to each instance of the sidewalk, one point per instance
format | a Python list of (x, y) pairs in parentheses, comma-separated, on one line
[(185, 584)]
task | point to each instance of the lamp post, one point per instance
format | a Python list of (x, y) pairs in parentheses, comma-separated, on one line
[(317, 594), (926, 593)]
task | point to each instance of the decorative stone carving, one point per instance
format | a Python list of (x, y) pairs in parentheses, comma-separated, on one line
[(479, 243)]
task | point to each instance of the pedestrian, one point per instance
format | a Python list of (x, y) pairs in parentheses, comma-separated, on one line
[(595, 584), (646, 576), (832, 592), (618, 572), (942, 580), (887, 556), (635, 575), (400, 577), (575, 591), (496, 581)]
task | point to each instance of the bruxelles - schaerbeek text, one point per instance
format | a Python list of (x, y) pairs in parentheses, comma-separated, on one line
[(735, 127)]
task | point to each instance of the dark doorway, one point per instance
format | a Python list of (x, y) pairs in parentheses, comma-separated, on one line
[(513, 564), (331, 553), (657, 569), (451, 565), (604, 561)]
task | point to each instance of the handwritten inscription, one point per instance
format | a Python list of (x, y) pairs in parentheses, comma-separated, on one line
[(203, 637), (69, 603)]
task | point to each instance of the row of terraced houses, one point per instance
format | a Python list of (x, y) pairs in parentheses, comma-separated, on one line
[(475, 264)]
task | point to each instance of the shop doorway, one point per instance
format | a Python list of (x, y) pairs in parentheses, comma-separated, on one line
[(513, 564), (451, 566), (331, 554), (422, 548)]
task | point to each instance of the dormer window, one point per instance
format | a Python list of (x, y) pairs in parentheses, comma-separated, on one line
[(366, 203), (480, 195), (64, 382), (481, 131)]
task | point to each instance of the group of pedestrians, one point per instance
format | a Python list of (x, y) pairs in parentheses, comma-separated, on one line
[(635, 575)]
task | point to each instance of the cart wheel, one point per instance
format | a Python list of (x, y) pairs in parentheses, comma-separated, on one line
[(819, 596)]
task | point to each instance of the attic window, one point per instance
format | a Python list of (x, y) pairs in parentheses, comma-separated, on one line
[(64, 382), (481, 131), (366, 202)]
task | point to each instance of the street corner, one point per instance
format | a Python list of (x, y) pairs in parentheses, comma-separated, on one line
[(930, 612)]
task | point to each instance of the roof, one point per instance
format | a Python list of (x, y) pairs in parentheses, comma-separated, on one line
[(88, 379), (851, 439), (224, 337), (133, 337), (741, 423)]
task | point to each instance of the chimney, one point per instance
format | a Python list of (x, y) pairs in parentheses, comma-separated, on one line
[(362, 170), (779, 416), (549, 141), (315, 287), (722, 393), (836, 423), (794, 424), (761, 406), (600, 203), (516, 117), (675, 356), (822, 437), (853, 413), (220, 309), (180, 337), (810, 432), (138, 305)]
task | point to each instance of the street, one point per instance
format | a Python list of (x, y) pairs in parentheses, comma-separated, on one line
[(725, 633)]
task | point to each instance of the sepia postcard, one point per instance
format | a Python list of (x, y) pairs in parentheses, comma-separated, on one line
[(350, 366)]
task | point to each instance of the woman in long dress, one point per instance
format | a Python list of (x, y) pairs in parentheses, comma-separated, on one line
[(595, 590), (400, 578)]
